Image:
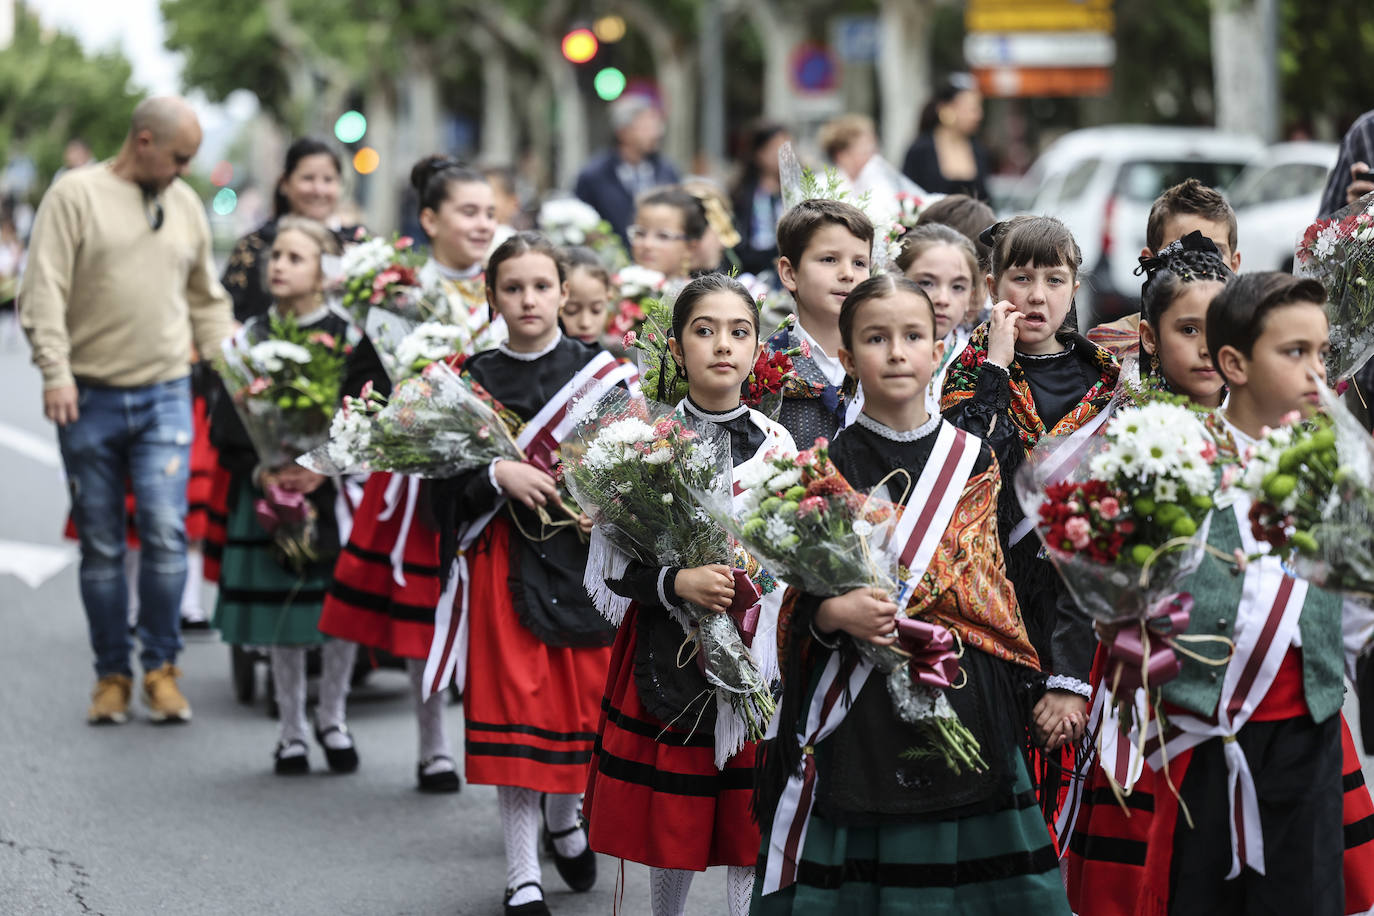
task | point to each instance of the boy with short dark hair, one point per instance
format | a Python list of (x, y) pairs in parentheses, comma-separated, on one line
[(825, 248), (1186, 207), (1254, 745)]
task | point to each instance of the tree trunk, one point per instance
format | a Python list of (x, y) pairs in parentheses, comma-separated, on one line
[(1245, 66), (570, 111), (675, 74), (423, 110), (779, 32), (498, 121), (903, 71), (383, 186)]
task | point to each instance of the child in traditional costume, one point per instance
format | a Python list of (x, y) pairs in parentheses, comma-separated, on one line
[(522, 636), (590, 290), (858, 824), (656, 794), (1256, 750), (1023, 376), (263, 601), (386, 583), (942, 261), (826, 249)]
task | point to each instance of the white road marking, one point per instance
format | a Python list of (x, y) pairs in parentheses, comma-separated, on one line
[(26, 443), (34, 564)]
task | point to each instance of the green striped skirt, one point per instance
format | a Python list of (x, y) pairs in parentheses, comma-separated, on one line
[(260, 602), (986, 864)]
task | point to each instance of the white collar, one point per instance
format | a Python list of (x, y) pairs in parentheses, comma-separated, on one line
[(830, 366), (896, 435), (448, 273), (712, 416), (531, 357)]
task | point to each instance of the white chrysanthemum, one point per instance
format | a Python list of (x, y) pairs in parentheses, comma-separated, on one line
[(349, 434), (430, 341), (366, 257), (636, 282), (788, 478), (1325, 244), (272, 355), (776, 529), (629, 430), (1156, 442), (567, 220), (659, 456)]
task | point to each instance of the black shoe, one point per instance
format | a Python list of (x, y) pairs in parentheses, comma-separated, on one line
[(296, 764), (200, 625), (437, 783), (579, 871), (533, 908), (341, 760)]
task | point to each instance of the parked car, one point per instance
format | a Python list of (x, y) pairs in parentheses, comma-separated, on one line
[(1101, 182), (1276, 198)]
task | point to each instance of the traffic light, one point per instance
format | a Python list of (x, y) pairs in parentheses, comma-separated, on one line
[(580, 46), (350, 127)]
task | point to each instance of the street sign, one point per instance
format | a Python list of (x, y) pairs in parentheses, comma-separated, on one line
[(813, 68), (1039, 16), (855, 38), (1043, 82), (1039, 49)]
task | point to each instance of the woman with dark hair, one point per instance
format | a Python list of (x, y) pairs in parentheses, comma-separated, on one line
[(309, 186), (946, 157), (757, 199)]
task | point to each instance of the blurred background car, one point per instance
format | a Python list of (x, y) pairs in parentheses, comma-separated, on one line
[(1101, 182), (1276, 198)]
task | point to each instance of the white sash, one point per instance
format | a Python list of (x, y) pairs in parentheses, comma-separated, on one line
[(1270, 608), (933, 501), (923, 524), (1057, 465), (447, 660)]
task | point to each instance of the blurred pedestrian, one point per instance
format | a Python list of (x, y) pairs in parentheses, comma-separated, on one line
[(120, 279), (1347, 182), (310, 185), (946, 157), (757, 199), (612, 181)]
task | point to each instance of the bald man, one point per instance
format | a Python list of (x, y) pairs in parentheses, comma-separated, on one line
[(120, 280)]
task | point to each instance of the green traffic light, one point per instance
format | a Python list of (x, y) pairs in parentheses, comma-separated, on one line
[(225, 201), (609, 83), (350, 127)]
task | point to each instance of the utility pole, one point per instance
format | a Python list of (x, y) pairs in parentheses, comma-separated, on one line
[(712, 50), (1245, 72)]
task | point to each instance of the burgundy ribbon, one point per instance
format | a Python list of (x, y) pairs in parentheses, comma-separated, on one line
[(280, 507), (933, 660), (1170, 618), (745, 608)]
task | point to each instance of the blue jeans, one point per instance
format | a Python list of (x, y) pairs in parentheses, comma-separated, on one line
[(141, 435)]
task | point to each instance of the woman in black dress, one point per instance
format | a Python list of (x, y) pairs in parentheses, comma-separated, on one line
[(946, 157)]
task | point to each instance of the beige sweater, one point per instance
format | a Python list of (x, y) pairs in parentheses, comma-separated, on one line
[(108, 300)]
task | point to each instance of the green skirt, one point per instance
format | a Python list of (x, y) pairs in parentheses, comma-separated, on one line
[(982, 865), (261, 603)]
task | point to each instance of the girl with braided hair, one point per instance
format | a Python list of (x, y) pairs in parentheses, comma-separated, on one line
[(1180, 282)]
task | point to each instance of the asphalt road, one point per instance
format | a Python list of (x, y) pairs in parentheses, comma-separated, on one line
[(190, 820), (139, 819)]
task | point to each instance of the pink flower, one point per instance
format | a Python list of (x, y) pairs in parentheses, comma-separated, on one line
[(484, 432), (812, 504), (1342, 387), (323, 338), (820, 443), (1209, 451), (1079, 532), (630, 338), (359, 234), (367, 390), (377, 297), (653, 338), (258, 385), (1108, 507), (1290, 418), (1229, 475), (806, 349), (404, 242)]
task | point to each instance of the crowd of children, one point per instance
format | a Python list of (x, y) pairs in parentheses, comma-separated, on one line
[(952, 365)]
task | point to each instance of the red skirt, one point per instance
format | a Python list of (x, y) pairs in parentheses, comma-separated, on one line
[(1119, 865), (530, 708), (204, 462), (655, 795), (365, 603), (216, 521)]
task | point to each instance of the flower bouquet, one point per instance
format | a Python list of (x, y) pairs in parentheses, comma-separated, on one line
[(1311, 482), (435, 424), (804, 521), (406, 347), (908, 211), (284, 390), (567, 221), (639, 290), (1339, 252), (381, 273), (633, 467)]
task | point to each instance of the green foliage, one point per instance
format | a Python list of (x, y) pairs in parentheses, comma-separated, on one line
[(54, 91)]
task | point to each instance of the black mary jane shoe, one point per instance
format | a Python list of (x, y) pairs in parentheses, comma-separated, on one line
[(340, 760), (437, 783), (579, 871), (532, 908), (295, 764)]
